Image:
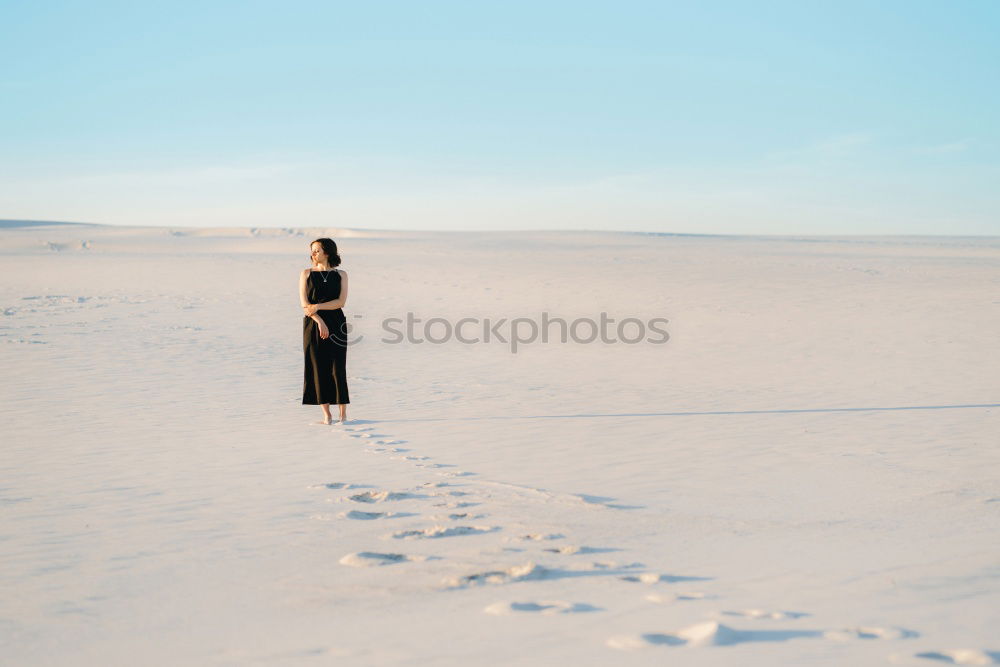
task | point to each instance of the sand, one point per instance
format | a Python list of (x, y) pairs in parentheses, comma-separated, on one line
[(804, 473)]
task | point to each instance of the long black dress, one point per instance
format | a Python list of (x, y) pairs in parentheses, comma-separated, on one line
[(326, 360)]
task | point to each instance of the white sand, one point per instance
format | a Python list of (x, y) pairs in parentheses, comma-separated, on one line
[(805, 474)]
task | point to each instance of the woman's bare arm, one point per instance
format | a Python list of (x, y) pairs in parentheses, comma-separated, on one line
[(304, 298)]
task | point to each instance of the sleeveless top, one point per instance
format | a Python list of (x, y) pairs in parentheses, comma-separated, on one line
[(318, 291)]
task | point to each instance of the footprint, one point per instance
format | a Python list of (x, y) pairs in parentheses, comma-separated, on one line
[(708, 633), (547, 607), (760, 613), (368, 516), (537, 537), (525, 572), (374, 559), (963, 656), (382, 496), (456, 516), (653, 578), (567, 550), (644, 578), (666, 598), (571, 550), (332, 485), (602, 565), (845, 634), (441, 531)]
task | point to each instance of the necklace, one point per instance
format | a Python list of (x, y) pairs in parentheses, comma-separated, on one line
[(321, 275)]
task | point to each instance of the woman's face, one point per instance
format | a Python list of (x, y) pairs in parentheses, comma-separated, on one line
[(318, 256)]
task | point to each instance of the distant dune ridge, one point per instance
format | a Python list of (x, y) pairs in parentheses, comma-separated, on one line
[(55, 235), (6, 224)]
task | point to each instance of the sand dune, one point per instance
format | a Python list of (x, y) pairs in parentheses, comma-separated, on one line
[(804, 473)]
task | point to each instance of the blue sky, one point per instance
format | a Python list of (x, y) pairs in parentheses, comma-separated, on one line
[(723, 117)]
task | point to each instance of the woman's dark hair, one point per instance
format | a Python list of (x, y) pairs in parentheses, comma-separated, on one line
[(330, 248)]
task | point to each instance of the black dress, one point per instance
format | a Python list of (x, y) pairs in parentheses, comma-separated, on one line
[(326, 359)]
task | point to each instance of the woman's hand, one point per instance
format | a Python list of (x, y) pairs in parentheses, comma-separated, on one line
[(311, 309), (324, 331)]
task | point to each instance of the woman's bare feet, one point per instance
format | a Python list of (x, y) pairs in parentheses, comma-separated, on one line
[(327, 417)]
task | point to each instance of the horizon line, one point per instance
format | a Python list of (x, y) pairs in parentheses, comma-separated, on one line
[(24, 222)]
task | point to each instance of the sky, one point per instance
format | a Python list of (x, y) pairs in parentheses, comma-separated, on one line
[(765, 117)]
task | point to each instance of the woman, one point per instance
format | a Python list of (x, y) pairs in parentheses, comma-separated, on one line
[(322, 293)]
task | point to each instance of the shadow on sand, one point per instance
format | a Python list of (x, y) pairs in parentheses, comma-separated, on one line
[(599, 415)]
